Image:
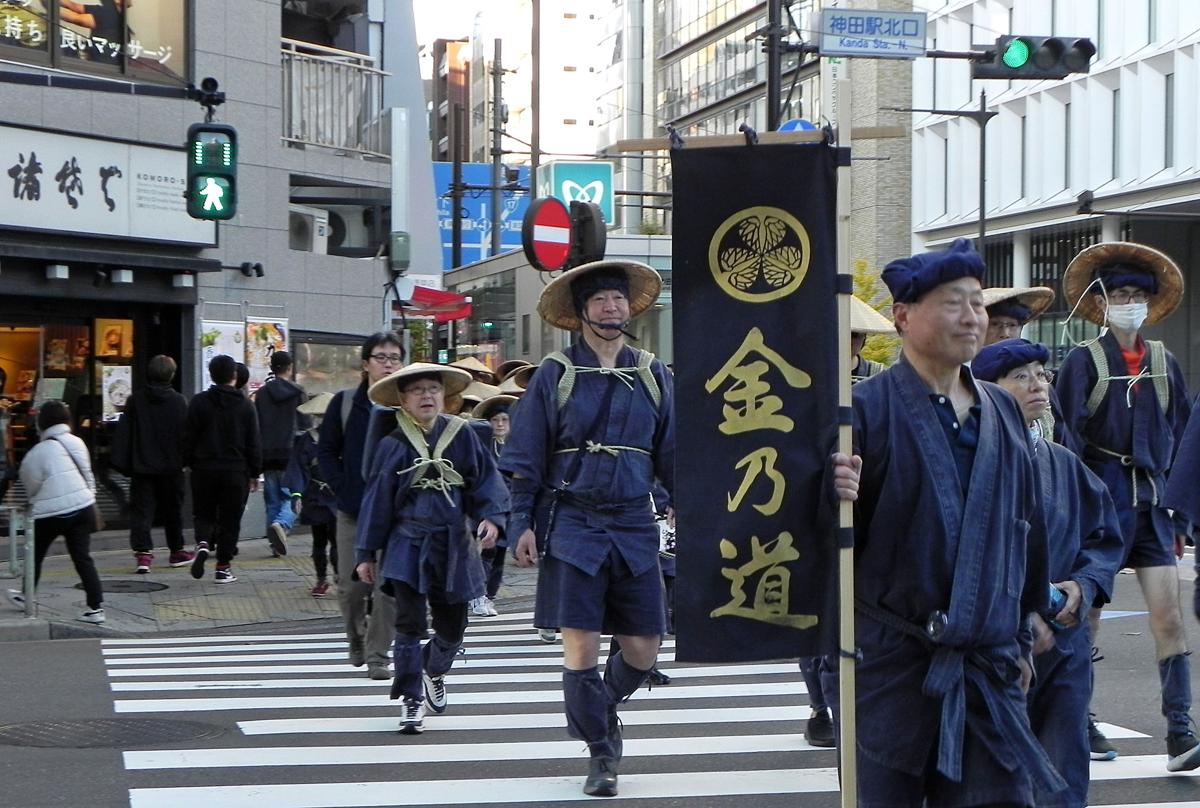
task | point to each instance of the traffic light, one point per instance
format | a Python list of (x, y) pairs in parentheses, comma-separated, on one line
[(212, 171), (1036, 58)]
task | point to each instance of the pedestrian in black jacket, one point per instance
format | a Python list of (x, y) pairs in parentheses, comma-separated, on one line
[(221, 445), (148, 448), (276, 403)]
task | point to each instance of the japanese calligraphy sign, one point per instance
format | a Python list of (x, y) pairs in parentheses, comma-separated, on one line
[(756, 401), (59, 182)]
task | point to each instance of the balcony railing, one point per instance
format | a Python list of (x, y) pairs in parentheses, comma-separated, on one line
[(333, 98)]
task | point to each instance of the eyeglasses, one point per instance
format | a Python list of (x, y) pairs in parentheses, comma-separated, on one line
[(421, 392), (1024, 377), (1121, 297), (388, 358)]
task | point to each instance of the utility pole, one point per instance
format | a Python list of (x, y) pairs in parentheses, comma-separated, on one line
[(535, 96), (497, 125), (458, 133), (774, 41), (981, 116)]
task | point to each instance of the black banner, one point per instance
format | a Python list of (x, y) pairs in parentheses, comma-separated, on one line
[(755, 324)]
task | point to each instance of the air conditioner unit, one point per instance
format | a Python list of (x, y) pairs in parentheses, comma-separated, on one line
[(308, 229)]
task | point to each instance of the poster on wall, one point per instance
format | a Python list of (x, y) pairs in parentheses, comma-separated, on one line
[(117, 384), (114, 338), (220, 337), (264, 336)]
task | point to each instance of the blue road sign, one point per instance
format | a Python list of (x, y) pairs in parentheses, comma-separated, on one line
[(476, 210)]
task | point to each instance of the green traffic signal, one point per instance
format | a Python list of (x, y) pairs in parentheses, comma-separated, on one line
[(212, 171), (1016, 54)]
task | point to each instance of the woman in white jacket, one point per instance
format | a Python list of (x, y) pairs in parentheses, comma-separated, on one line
[(57, 474)]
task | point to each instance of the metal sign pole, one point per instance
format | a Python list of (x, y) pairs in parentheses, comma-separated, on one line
[(848, 745)]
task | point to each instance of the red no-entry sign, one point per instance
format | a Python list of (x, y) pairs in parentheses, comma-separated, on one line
[(546, 234)]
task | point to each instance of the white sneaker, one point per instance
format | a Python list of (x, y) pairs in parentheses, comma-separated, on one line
[(93, 616), (412, 722), (435, 692), (491, 607), (15, 598), (479, 607)]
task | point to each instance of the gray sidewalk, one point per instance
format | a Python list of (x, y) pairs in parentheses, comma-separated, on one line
[(268, 591)]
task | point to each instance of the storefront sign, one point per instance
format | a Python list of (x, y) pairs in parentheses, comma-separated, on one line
[(264, 336), (221, 337), (85, 186), (579, 181), (756, 401)]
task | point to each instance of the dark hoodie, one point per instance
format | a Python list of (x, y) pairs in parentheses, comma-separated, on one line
[(221, 432), (149, 435), (276, 402)]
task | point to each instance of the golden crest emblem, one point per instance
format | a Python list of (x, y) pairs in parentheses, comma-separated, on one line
[(759, 254)]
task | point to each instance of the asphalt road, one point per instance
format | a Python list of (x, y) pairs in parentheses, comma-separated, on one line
[(294, 725)]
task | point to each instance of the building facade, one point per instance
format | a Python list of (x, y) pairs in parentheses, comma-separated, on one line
[(101, 266), (1125, 132), (450, 86)]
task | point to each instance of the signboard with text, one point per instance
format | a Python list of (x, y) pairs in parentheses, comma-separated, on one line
[(86, 186), (754, 295), (870, 33)]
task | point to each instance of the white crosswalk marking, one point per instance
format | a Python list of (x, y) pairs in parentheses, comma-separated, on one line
[(317, 733)]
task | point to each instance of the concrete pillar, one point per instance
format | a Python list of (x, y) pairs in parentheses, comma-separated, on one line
[(1110, 228), (1022, 259)]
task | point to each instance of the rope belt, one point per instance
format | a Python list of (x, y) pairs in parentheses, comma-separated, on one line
[(592, 447), (1144, 373), (1127, 462), (628, 376)]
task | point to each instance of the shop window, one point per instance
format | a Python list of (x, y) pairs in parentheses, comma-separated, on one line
[(146, 40), (326, 364)]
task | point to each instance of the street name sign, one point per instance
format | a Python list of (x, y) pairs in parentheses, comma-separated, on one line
[(872, 34)]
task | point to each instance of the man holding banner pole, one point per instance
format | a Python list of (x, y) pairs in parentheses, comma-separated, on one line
[(595, 432), (951, 558)]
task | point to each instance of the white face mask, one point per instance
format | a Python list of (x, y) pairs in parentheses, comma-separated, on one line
[(1128, 316)]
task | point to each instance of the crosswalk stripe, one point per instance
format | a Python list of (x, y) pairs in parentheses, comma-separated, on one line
[(452, 679), (1135, 767), (489, 624), (469, 641), (486, 650), (631, 716), (452, 753), (1114, 731), (339, 666), (678, 785), (490, 697)]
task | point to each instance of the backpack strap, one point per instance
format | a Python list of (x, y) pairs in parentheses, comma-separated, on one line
[(566, 384), (1100, 389), (1158, 372), (347, 405)]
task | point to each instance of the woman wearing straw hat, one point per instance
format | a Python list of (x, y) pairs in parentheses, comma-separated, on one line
[(595, 431), (312, 498), (427, 478), (1009, 308), (1125, 399)]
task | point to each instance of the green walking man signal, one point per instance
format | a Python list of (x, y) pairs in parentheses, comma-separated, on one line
[(212, 171)]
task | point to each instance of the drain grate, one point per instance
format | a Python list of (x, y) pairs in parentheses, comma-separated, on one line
[(105, 733), (122, 585)]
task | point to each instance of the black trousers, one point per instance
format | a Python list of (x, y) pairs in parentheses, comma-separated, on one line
[(150, 494), (324, 535), (493, 565), (76, 528), (413, 610), (218, 500)]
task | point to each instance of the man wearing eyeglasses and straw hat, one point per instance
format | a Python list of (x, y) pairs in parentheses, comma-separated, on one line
[(426, 478), (1125, 399), (594, 432)]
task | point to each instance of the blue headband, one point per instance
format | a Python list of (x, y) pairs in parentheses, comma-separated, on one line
[(1011, 308), (1000, 357), (910, 278), (1114, 276)]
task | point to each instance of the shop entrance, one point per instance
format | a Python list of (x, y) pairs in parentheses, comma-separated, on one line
[(93, 363)]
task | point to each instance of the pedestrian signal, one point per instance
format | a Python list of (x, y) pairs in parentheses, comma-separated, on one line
[(1035, 58), (212, 171)]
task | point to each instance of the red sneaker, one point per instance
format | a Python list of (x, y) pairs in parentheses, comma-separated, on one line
[(321, 589), (181, 558), (144, 560)]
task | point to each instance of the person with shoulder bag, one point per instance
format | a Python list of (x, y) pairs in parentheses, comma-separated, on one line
[(57, 475)]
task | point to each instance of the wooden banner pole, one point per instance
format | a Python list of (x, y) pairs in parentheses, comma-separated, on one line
[(846, 645)]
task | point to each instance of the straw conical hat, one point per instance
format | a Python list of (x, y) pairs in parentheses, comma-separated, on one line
[(521, 376), (476, 368), (1035, 298), (865, 320), (386, 391), (316, 405), (1082, 271), (508, 367), (509, 387), (557, 307), (485, 409)]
